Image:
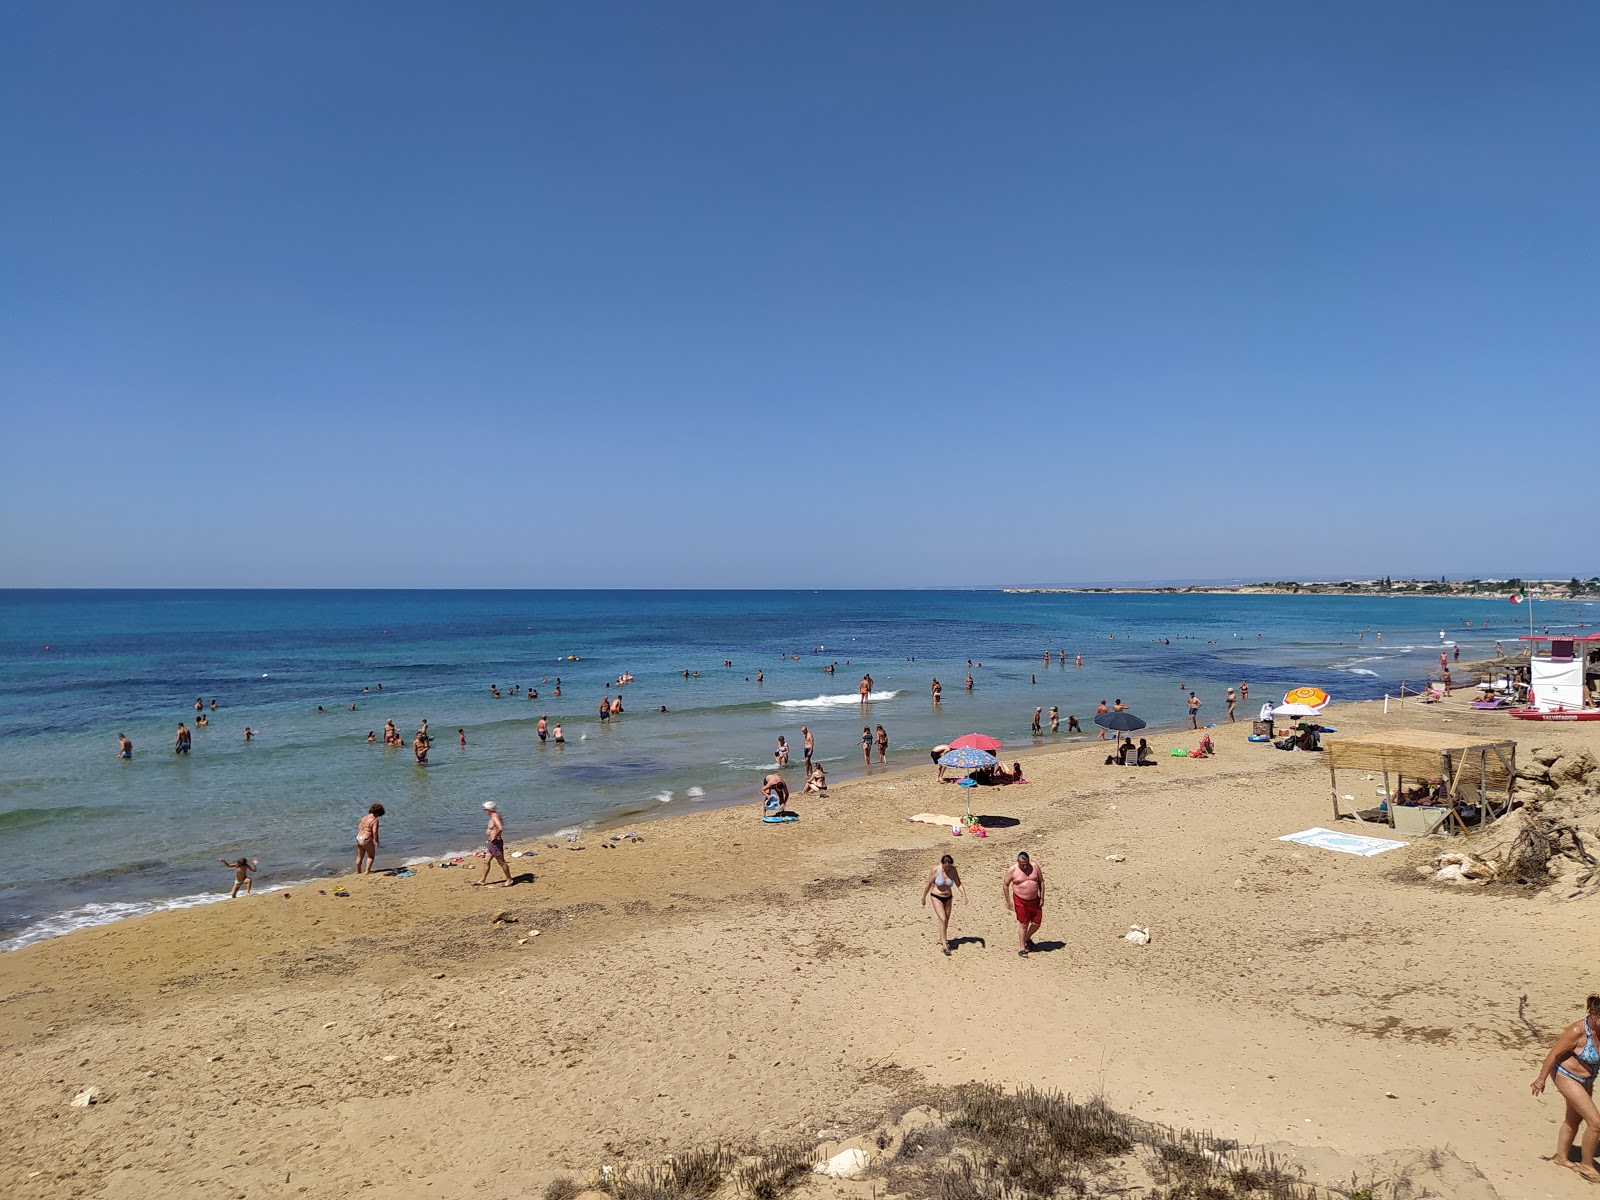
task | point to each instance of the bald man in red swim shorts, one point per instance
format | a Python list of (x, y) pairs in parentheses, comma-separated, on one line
[(1023, 889)]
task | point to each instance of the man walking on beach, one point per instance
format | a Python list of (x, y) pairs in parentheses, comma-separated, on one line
[(1232, 700), (494, 838), (1194, 711), (1100, 711), (807, 744), (1037, 728), (1023, 889)]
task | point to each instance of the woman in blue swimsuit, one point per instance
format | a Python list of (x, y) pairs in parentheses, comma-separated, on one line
[(1572, 1064)]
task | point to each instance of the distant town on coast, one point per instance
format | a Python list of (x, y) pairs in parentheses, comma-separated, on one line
[(1538, 589)]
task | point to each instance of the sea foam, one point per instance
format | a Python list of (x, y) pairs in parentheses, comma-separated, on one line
[(85, 916), (843, 701)]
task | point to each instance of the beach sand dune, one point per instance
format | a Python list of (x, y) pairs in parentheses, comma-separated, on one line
[(724, 980)]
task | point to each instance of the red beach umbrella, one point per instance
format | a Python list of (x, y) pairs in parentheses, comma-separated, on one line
[(977, 741)]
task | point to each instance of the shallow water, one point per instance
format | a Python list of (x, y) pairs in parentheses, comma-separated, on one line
[(85, 837)]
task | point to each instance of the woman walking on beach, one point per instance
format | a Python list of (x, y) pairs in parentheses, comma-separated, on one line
[(941, 886), (866, 744), (1572, 1063), (883, 745), (367, 839)]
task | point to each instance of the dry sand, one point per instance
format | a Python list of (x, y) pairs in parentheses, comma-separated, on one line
[(728, 980)]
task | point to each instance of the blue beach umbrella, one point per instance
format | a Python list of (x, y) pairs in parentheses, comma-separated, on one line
[(967, 759), (1120, 722)]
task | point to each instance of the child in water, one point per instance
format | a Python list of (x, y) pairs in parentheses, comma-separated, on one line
[(241, 875)]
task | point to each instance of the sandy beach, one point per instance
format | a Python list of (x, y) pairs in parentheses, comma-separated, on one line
[(724, 980)]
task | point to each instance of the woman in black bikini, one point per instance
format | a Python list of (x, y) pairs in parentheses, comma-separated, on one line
[(941, 885)]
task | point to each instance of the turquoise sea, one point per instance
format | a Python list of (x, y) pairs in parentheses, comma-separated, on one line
[(87, 838)]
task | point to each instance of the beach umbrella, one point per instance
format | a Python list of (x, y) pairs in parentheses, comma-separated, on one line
[(967, 759), (1119, 722), (1297, 710), (976, 741), (1311, 697)]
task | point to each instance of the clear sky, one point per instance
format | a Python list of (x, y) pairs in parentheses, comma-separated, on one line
[(805, 294)]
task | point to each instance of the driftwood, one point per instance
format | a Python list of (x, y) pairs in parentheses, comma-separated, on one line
[(1542, 837)]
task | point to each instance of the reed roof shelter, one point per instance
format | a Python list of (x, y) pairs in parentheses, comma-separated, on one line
[(1459, 773)]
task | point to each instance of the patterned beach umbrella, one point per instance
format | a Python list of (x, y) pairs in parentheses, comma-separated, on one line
[(976, 741), (1311, 697), (968, 759)]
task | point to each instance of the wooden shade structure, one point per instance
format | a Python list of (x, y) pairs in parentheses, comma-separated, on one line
[(1476, 773)]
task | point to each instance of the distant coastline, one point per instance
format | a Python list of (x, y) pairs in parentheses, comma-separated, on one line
[(1482, 589)]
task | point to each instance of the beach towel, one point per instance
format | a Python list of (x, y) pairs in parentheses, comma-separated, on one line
[(1343, 843), (935, 819)]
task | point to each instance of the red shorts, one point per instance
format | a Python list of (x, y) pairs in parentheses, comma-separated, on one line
[(1029, 912)]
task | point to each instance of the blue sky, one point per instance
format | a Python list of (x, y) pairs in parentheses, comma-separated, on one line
[(768, 295)]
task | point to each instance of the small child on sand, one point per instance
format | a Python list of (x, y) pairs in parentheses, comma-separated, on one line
[(241, 875)]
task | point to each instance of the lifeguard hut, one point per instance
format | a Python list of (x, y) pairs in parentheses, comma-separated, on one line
[(1563, 677)]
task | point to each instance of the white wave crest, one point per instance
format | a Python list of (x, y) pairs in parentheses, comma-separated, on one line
[(833, 701), (1362, 671), (85, 916), (1346, 663), (695, 793)]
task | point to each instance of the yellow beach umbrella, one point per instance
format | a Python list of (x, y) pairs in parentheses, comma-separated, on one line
[(1311, 697)]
